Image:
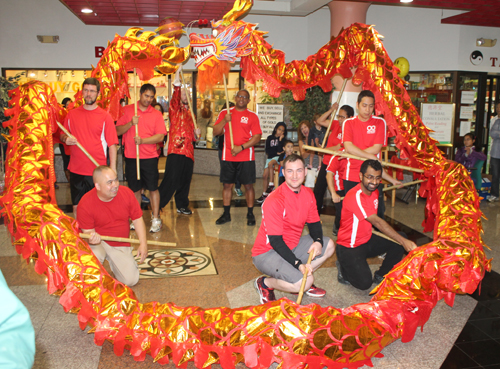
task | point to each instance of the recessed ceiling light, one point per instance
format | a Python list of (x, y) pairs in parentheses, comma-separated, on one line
[(406, 1), (87, 10), (151, 16)]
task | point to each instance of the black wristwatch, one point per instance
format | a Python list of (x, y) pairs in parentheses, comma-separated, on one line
[(242, 148)]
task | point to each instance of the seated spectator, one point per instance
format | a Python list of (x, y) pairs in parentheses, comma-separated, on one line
[(467, 155)]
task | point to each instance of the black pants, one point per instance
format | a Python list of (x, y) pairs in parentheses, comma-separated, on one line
[(320, 187), (355, 268), (381, 204), (177, 179), (338, 210)]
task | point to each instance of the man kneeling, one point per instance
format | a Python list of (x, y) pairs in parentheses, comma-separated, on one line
[(355, 240), (106, 210), (279, 250)]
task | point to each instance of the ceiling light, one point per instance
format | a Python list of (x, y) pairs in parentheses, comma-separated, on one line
[(32, 74), (87, 10), (406, 1), (151, 16), (486, 42)]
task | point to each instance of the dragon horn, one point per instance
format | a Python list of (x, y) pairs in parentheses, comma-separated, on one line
[(240, 7)]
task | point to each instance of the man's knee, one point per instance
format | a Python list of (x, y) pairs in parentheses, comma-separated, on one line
[(330, 248), (228, 186), (363, 283), (249, 187), (131, 279)]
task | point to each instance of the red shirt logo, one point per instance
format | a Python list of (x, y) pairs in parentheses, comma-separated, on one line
[(370, 130), (244, 120), (375, 203)]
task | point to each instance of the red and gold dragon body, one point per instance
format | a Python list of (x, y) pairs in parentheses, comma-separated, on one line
[(281, 331)]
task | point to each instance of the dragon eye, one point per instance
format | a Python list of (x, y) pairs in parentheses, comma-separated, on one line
[(215, 32)]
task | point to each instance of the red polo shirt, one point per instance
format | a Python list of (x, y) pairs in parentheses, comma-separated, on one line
[(355, 230), (245, 124), (150, 123), (363, 135), (285, 213), (334, 139)]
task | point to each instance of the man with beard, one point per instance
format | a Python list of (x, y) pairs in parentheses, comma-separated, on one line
[(356, 242), (180, 157), (280, 251), (106, 210), (151, 131), (95, 130)]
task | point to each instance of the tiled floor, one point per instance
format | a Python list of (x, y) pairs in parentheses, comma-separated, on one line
[(451, 339)]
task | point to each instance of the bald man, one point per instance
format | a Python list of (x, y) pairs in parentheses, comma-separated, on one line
[(106, 210)]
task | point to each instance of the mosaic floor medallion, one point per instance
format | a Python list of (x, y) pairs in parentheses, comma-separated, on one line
[(177, 263)]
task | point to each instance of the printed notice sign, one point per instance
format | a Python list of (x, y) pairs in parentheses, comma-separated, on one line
[(269, 116), (440, 118)]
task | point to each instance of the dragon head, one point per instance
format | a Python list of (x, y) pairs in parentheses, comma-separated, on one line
[(227, 43)]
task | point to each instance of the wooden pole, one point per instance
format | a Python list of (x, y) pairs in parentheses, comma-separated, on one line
[(78, 144), (130, 240), (137, 158), (188, 99), (334, 113), (304, 279), (345, 155), (384, 236), (400, 186), (404, 184), (227, 106)]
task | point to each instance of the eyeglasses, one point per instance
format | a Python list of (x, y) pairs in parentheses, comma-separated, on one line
[(242, 97), (341, 116), (371, 178)]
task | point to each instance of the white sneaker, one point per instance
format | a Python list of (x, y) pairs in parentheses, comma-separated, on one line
[(155, 225), (492, 198), (132, 228)]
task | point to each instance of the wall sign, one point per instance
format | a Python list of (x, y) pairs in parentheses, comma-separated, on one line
[(440, 117), (269, 116)]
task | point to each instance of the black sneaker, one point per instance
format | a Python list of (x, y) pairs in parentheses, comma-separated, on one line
[(266, 294), (377, 278), (185, 211), (340, 277), (261, 199), (250, 219), (224, 218)]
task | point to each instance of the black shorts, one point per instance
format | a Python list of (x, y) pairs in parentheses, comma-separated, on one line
[(149, 174), (79, 186), (243, 171), (65, 157)]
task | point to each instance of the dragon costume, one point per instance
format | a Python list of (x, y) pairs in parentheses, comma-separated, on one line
[(280, 331)]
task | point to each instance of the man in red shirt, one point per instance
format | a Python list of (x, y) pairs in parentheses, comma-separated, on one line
[(151, 131), (238, 163), (334, 143), (180, 151), (364, 136), (356, 242), (280, 251), (95, 130), (107, 209)]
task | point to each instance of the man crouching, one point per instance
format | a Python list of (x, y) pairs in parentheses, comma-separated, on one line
[(106, 210), (279, 250)]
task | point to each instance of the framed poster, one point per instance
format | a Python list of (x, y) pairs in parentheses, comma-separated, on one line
[(440, 117), (269, 116)]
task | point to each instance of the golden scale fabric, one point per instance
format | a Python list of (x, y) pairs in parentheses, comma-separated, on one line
[(280, 331)]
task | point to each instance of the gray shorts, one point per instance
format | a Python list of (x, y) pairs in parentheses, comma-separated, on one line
[(273, 265)]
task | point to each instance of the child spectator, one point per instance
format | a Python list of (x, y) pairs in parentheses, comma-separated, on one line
[(467, 155), (274, 147)]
